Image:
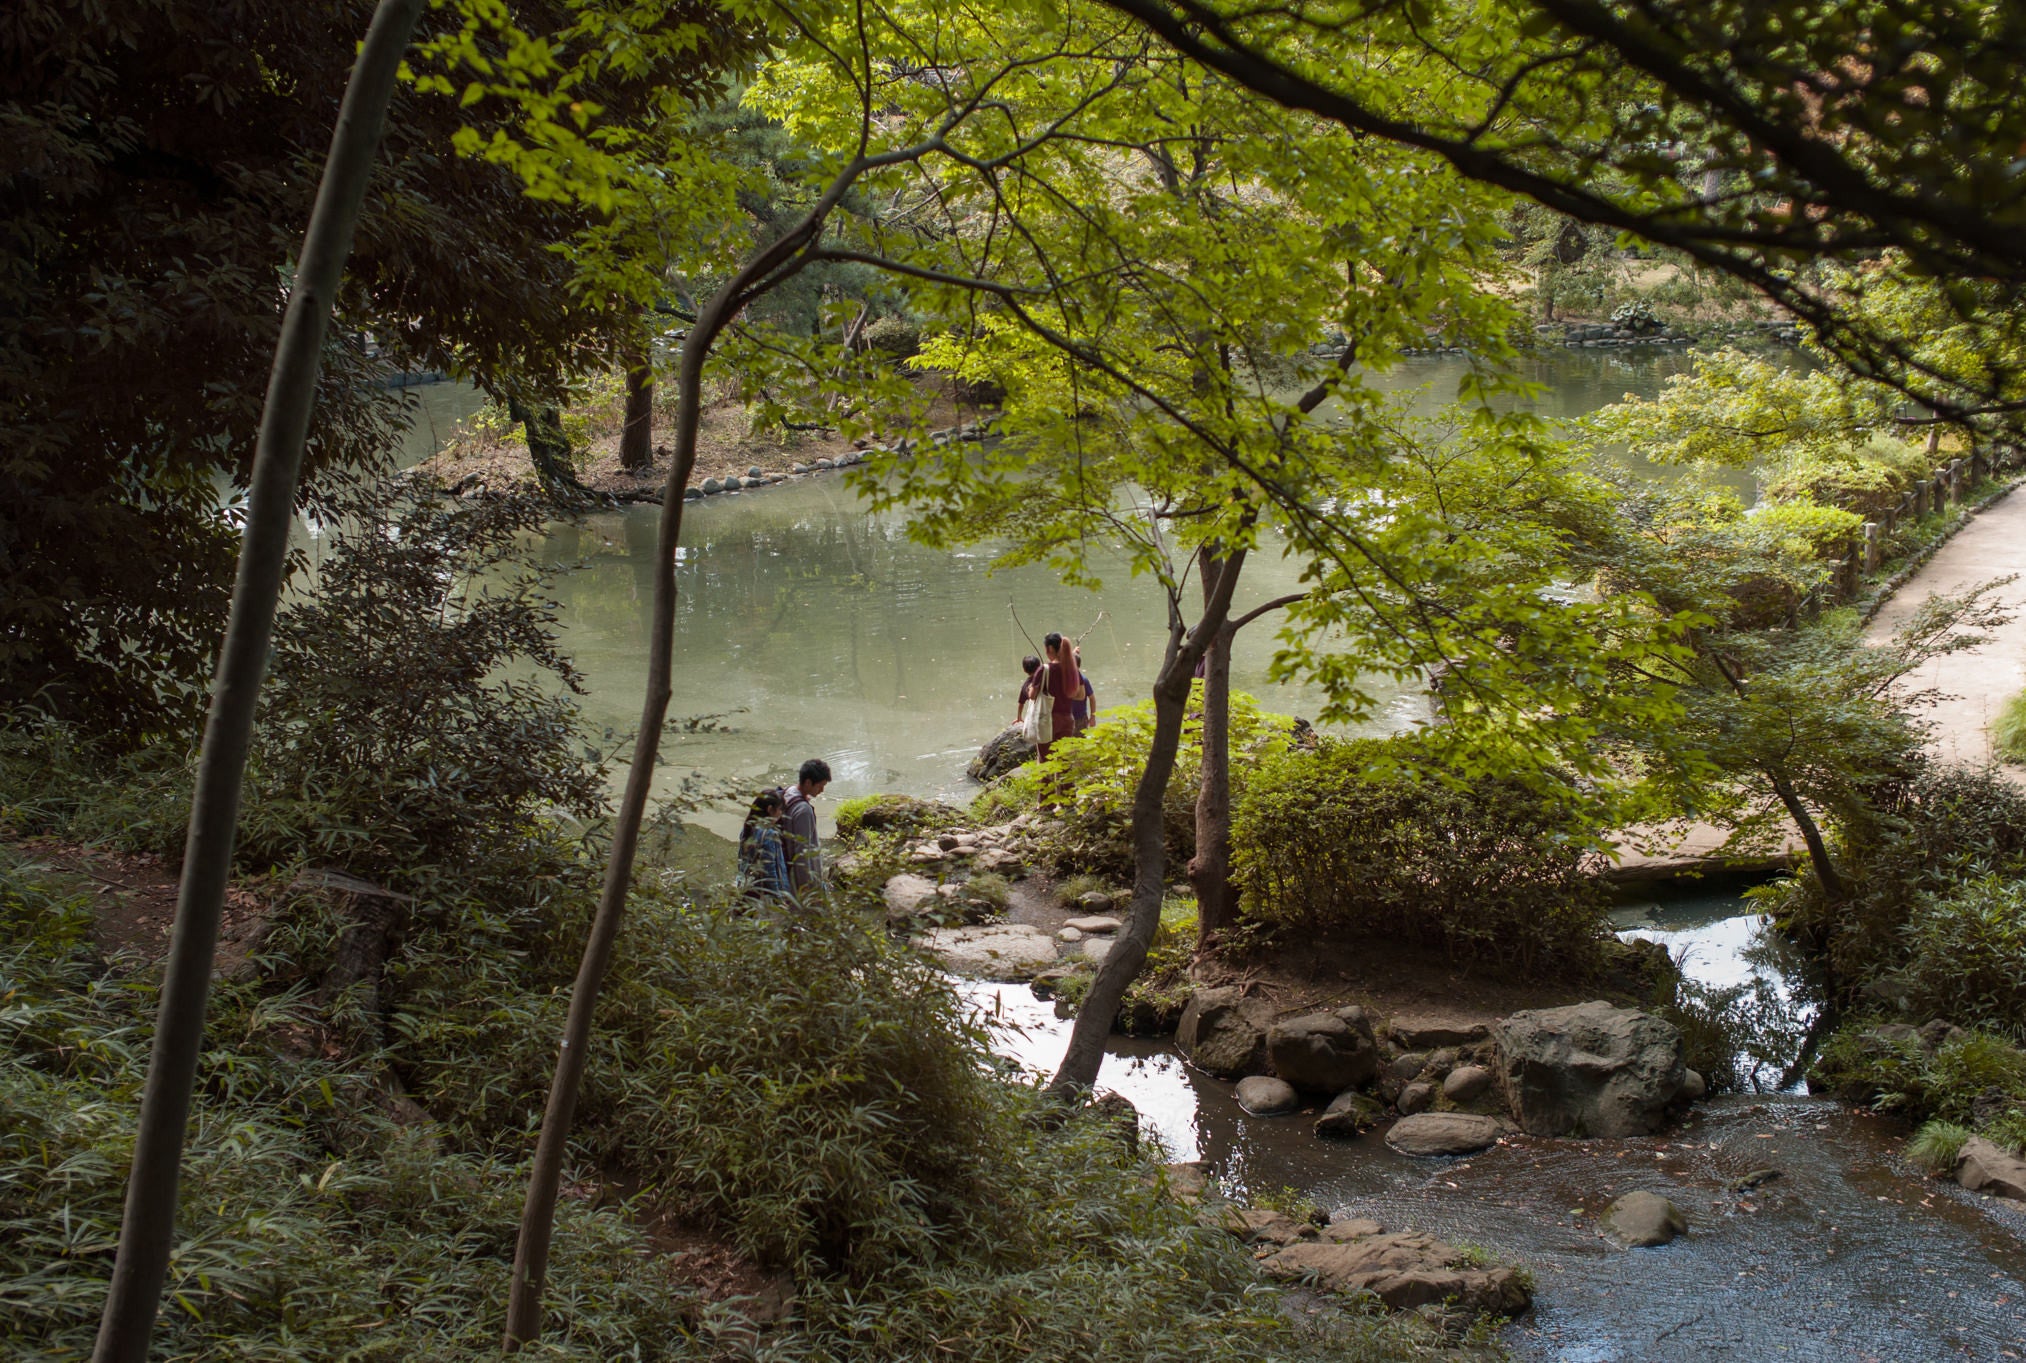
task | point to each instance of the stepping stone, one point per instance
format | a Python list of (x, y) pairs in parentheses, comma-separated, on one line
[(1443, 1133), (1094, 924)]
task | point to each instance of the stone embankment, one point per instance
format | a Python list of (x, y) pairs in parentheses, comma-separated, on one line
[(755, 477)]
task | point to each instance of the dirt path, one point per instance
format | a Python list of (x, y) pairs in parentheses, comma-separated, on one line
[(1976, 684)]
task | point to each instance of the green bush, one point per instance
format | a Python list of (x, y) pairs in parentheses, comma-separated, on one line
[(1867, 480), (1090, 782), (1971, 1078), (897, 338), (1964, 956), (1926, 878), (1370, 839), (894, 814)]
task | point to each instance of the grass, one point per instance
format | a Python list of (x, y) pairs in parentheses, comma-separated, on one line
[(1937, 1146), (813, 1096), (2008, 731)]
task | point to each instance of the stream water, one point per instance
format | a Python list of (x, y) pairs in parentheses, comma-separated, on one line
[(1847, 1256)]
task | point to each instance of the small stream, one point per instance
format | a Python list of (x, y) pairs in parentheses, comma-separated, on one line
[(1847, 1256)]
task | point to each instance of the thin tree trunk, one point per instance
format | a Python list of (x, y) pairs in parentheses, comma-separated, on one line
[(1080, 1063), (1811, 835), (147, 1229), (1210, 868), (636, 438), (531, 1252), (773, 266)]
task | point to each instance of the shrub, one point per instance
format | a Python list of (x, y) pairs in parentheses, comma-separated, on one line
[(894, 814), (1908, 869), (1964, 956), (895, 337), (862, 1123), (1091, 780), (1371, 839), (1866, 480), (419, 712), (1970, 1078)]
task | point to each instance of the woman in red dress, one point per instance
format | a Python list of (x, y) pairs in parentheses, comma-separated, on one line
[(1065, 688)]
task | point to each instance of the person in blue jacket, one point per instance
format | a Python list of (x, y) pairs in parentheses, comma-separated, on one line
[(763, 857)]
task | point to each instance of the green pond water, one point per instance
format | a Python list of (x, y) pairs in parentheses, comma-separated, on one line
[(810, 626)]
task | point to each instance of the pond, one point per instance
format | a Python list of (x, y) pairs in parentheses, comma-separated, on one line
[(809, 626)]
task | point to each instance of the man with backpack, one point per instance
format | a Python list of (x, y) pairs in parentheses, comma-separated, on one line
[(798, 827)]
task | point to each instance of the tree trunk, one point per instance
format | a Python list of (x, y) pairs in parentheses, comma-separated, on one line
[(531, 1251), (1811, 835), (1210, 868), (147, 1229), (636, 438), (1080, 1063), (771, 267), (548, 449)]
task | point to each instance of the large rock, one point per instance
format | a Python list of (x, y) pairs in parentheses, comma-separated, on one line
[(1590, 1069), (1416, 1097), (1642, 1220), (1265, 1096), (1404, 1270), (1322, 1053), (1443, 1133), (1007, 750), (1224, 1032), (908, 895), (1350, 1114), (1984, 1168), (996, 951)]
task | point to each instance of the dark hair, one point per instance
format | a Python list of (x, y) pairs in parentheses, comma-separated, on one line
[(815, 769), (1029, 663), (1052, 641), (766, 805)]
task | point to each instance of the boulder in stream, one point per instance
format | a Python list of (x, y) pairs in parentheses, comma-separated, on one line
[(1985, 1168), (1416, 1097), (1322, 1053), (1351, 1113), (1264, 1096), (1590, 1069), (1007, 749), (1643, 1220), (1444, 1133), (1223, 1032)]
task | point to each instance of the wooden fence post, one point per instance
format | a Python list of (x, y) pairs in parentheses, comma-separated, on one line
[(1872, 539)]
